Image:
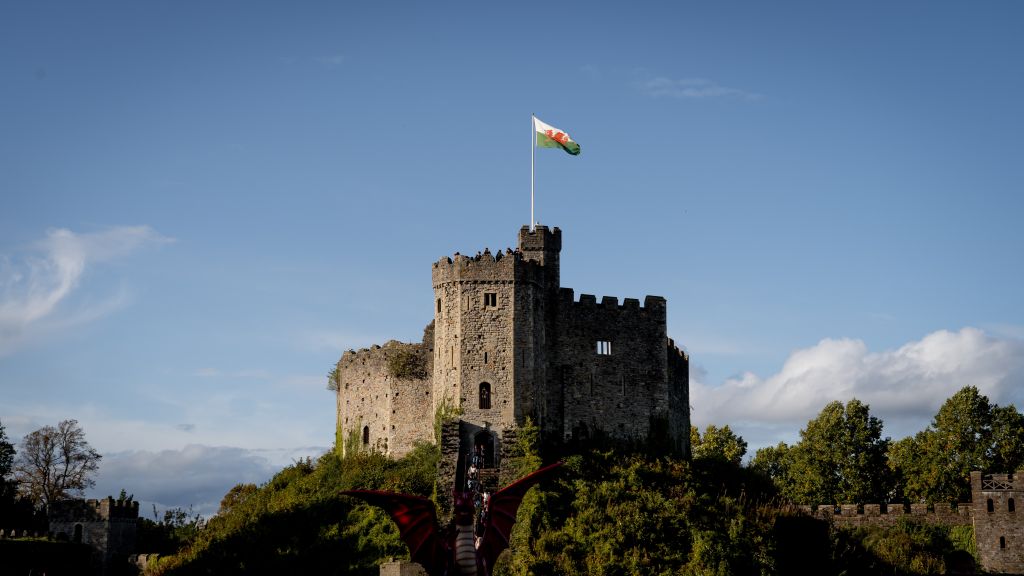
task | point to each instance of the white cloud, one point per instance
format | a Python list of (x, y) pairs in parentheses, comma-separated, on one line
[(196, 476), (33, 286), (693, 88), (904, 387)]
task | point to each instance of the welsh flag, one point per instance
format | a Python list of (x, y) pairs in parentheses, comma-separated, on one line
[(551, 137)]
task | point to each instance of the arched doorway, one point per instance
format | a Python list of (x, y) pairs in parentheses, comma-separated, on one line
[(483, 443)]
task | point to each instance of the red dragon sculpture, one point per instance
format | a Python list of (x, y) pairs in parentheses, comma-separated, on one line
[(453, 551)]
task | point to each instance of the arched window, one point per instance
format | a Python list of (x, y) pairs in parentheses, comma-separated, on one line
[(366, 434), (991, 507), (485, 396), (1011, 506)]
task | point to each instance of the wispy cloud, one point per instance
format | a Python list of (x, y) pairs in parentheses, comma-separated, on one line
[(244, 373), (693, 88), (332, 61), (33, 284), (904, 387)]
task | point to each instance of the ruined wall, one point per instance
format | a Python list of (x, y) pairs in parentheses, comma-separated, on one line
[(384, 412), (998, 524), (612, 363)]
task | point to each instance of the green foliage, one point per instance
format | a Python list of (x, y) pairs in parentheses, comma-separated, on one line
[(524, 456), (177, 528), (333, 379), (298, 523), (841, 458), (912, 547), (407, 364), (617, 513), (446, 411), (968, 433), (718, 444)]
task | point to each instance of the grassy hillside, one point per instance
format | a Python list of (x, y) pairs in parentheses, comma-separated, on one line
[(609, 512)]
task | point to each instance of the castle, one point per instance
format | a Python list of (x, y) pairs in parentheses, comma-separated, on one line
[(108, 526), (507, 343)]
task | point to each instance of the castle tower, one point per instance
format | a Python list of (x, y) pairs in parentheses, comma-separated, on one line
[(108, 526), (998, 529), (489, 334)]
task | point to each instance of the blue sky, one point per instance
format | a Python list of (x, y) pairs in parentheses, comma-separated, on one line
[(203, 204)]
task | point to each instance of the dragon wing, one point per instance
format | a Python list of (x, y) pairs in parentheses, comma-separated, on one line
[(502, 515), (416, 518)]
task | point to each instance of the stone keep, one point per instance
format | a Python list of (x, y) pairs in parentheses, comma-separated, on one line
[(507, 342)]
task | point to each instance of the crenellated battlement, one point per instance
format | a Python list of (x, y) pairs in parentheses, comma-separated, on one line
[(996, 482), (886, 514), (502, 266), (94, 510), (482, 258), (567, 299), (677, 352)]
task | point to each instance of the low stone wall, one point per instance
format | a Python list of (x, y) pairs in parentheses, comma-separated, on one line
[(856, 516)]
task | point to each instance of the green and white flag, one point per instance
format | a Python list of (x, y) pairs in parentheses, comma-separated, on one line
[(551, 137)]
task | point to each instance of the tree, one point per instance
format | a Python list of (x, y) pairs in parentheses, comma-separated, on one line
[(968, 433), (841, 458), (774, 463), (6, 465), (55, 463), (718, 444)]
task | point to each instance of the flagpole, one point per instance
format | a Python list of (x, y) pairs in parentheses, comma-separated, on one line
[(533, 156)]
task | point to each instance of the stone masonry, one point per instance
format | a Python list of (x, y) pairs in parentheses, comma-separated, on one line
[(108, 526), (508, 343), (998, 526)]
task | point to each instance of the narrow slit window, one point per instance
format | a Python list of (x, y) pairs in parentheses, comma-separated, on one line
[(366, 434), (1011, 505), (1002, 541), (604, 348), (485, 357), (990, 506), (490, 299), (438, 306)]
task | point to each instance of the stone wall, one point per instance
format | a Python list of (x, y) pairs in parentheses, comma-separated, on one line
[(382, 411), (616, 389), (998, 521), (678, 398), (401, 568), (448, 468), (993, 512), (857, 516), (108, 526)]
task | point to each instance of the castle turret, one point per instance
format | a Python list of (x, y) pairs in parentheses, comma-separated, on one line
[(543, 246)]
